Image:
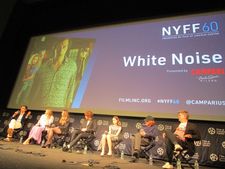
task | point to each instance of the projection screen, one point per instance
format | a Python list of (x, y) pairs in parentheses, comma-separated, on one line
[(152, 66)]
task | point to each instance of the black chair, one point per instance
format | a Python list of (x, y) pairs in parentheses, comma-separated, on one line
[(183, 156), (85, 142), (59, 140), (116, 144), (18, 133), (145, 150)]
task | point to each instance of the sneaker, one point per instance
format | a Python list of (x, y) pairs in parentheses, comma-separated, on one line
[(7, 139), (109, 153), (133, 159), (65, 149), (178, 147), (136, 154), (167, 165)]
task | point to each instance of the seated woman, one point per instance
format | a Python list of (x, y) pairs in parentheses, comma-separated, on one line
[(17, 121), (87, 129), (43, 123), (111, 135), (61, 127)]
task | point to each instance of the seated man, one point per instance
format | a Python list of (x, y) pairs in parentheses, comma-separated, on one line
[(17, 121), (182, 136), (87, 127), (146, 134)]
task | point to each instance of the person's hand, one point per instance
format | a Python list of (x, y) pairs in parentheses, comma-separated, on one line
[(17, 112), (28, 114), (142, 132), (188, 136), (164, 135), (84, 129)]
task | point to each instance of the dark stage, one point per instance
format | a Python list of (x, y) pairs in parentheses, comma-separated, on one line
[(19, 156)]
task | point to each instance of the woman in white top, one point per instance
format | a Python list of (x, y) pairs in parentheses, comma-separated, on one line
[(43, 123), (111, 135)]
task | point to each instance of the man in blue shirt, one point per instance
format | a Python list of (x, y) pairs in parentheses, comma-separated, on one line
[(145, 136)]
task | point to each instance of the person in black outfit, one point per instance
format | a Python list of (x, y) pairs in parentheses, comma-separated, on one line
[(87, 129), (61, 127), (182, 136)]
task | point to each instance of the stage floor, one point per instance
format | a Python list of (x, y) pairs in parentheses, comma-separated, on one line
[(14, 155)]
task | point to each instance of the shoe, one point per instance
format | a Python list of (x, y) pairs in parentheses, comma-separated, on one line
[(136, 154), (167, 165), (178, 147), (46, 146), (102, 154), (65, 149), (133, 159), (109, 154), (7, 139), (26, 142)]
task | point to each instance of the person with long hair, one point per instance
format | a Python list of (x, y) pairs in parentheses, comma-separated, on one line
[(43, 123), (111, 135), (62, 126)]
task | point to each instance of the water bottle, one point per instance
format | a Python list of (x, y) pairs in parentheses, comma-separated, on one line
[(179, 164), (64, 144), (43, 142), (122, 155), (85, 149), (196, 165), (150, 161), (21, 139)]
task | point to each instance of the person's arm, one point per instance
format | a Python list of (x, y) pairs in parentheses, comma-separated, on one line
[(151, 132), (15, 114), (65, 126), (118, 132), (110, 130), (93, 127), (50, 122), (192, 132), (28, 114)]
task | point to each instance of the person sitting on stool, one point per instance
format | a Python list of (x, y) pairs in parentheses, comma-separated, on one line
[(182, 136), (147, 131)]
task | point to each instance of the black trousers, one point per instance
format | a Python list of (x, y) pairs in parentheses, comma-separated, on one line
[(77, 135), (170, 141)]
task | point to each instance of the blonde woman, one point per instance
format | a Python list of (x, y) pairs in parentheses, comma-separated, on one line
[(61, 127), (43, 123), (111, 135)]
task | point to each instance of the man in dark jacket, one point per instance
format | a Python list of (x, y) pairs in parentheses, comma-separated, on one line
[(182, 136), (144, 137)]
